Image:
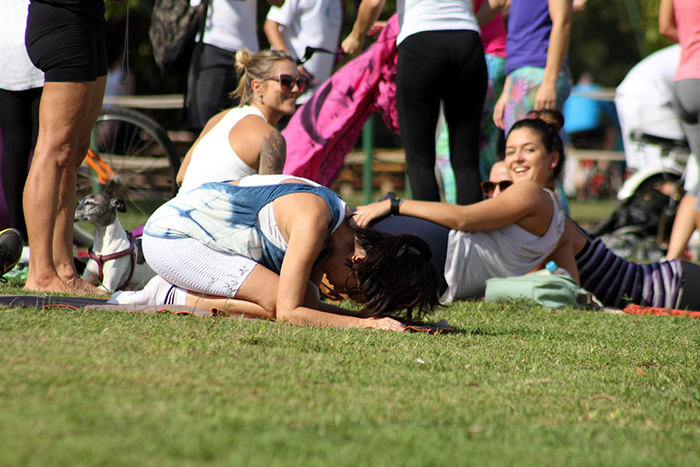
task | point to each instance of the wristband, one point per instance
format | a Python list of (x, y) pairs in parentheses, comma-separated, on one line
[(395, 203)]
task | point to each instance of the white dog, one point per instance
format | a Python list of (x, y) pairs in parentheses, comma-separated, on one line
[(116, 262)]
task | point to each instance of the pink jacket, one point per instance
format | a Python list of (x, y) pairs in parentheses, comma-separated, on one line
[(324, 130)]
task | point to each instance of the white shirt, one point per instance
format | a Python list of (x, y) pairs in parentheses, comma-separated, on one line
[(17, 73), (434, 15), (310, 23), (651, 80), (213, 159), (232, 25)]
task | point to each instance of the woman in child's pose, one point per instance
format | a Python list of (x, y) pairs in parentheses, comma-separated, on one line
[(259, 247)]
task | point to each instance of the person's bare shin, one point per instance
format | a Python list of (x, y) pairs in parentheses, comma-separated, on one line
[(65, 110)]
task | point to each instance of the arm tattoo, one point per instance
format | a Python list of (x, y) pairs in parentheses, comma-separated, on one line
[(273, 153)]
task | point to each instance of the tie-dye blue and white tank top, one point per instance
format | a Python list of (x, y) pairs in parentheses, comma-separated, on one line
[(226, 217)]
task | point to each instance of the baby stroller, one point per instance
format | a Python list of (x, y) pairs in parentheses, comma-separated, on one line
[(640, 227)]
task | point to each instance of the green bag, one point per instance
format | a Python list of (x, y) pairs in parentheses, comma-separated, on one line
[(543, 287)]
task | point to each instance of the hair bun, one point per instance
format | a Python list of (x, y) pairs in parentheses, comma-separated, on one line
[(243, 57), (548, 116)]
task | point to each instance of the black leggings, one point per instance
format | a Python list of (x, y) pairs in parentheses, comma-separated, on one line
[(19, 124), (212, 78), (447, 66)]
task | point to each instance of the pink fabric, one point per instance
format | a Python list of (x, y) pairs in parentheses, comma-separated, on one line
[(324, 130), (687, 15), (493, 34)]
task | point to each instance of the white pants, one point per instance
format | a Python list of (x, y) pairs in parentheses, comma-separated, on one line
[(190, 265)]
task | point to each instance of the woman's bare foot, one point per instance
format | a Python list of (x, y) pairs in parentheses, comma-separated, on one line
[(81, 287), (69, 275), (52, 284)]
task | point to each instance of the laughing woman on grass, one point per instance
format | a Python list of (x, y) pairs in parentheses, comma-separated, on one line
[(505, 236), (486, 241), (615, 281)]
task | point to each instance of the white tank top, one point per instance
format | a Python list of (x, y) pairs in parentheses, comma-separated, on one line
[(266, 217), (434, 15), (473, 257), (213, 159)]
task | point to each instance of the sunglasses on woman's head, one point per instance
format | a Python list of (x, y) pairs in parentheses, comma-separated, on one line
[(287, 82), (488, 187)]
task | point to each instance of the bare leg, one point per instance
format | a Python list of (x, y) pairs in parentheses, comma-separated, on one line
[(228, 306), (256, 298), (67, 201), (683, 227), (66, 111)]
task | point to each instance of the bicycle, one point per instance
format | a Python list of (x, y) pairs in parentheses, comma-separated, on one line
[(130, 157)]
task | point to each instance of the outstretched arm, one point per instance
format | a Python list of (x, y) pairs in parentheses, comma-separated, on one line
[(560, 13), (520, 202), (306, 223)]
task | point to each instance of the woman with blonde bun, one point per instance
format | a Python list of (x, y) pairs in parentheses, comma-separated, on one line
[(243, 140)]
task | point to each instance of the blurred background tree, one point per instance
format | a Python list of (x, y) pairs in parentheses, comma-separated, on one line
[(609, 38)]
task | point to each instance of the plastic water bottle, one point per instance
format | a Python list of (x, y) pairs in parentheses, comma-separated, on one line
[(554, 269)]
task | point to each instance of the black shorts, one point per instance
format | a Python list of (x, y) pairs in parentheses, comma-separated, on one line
[(65, 45)]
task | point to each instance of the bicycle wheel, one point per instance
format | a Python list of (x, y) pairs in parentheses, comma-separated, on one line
[(138, 150)]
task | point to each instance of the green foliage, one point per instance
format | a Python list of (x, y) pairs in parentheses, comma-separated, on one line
[(517, 384), (609, 38)]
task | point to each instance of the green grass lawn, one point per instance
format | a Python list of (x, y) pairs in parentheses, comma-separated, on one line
[(588, 213), (515, 385)]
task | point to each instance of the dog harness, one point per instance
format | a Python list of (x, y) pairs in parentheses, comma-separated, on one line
[(101, 259)]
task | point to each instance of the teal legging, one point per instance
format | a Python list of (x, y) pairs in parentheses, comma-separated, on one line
[(524, 83)]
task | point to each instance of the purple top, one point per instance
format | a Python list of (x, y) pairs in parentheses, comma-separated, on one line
[(527, 40)]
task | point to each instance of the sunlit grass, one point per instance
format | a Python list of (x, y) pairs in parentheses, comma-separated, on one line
[(516, 384)]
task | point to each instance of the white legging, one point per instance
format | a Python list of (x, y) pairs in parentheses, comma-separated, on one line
[(190, 265)]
